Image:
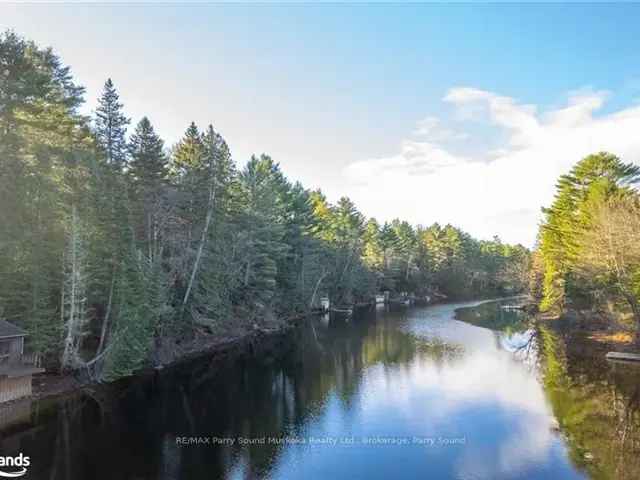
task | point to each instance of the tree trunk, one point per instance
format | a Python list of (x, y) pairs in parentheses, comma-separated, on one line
[(203, 240), (76, 295), (105, 322), (315, 290), (69, 353), (408, 267)]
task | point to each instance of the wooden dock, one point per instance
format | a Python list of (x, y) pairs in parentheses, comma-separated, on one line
[(513, 307), (623, 357)]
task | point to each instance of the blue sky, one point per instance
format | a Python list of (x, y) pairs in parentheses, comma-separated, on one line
[(449, 113)]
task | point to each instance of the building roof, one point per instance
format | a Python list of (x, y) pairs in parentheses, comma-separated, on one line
[(10, 330)]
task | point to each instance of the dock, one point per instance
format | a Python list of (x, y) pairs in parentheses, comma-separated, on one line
[(513, 307), (623, 357)]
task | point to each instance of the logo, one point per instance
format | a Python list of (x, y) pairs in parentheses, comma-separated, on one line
[(14, 467)]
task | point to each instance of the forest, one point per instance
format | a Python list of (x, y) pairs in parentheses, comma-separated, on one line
[(588, 253), (117, 250)]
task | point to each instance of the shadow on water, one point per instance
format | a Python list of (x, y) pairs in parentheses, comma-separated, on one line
[(492, 382), (130, 429)]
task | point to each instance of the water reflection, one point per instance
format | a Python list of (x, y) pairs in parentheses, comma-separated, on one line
[(597, 404), (480, 393)]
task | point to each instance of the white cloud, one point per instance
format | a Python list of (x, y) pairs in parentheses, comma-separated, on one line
[(503, 193), (579, 111), (432, 129), (505, 112), (447, 388), (415, 159)]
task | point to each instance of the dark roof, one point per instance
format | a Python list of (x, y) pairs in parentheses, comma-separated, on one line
[(10, 330)]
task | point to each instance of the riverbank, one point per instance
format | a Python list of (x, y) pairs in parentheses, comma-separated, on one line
[(317, 381), (238, 340), (242, 340), (603, 331)]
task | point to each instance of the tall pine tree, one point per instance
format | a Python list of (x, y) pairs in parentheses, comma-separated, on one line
[(111, 126), (147, 172), (148, 165)]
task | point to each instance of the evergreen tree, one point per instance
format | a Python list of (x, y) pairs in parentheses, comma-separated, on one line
[(302, 268), (601, 174), (213, 169), (188, 154), (141, 250), (373, 253), (148, 165), (262, 234), (39, 129), (111, 126), (147, 173)]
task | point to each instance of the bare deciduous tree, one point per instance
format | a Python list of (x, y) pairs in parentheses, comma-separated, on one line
[(610, 249)]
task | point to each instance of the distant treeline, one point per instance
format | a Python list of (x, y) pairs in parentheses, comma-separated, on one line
[(115, 250), (588, 255)]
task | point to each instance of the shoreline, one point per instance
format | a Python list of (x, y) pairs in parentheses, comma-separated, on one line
[(215, 347), (593, 328)]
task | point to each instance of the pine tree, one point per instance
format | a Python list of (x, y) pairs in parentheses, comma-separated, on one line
[(142, 309), (98, 237), (186, 169), (214, 169), (262, 234), (148, 164), (373, 254), (188, 153), (147, 173), (603, 174), (216, 274), (299, 270), (39, 126), (111, 126)]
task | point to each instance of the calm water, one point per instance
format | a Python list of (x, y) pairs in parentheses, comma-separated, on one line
[(412, 393)]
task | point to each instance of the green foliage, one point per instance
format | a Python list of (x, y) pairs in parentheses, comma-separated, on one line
[(141, 311), (40, 135), (111, 126), (169, 245), (262, 231), (188, 154), (591, 181), (148, 165)]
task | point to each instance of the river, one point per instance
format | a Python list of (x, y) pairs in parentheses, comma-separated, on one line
[(406, 393)]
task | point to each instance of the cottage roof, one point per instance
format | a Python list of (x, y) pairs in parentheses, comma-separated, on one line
[(10, 330)]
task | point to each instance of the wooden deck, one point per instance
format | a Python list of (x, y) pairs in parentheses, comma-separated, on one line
[(623, 357), (15, 381)]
